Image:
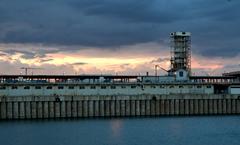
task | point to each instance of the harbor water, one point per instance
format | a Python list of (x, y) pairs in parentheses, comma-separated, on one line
[(195, 130)]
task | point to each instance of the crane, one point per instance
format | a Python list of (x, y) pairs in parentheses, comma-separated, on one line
[(158, 66), (28, 68)]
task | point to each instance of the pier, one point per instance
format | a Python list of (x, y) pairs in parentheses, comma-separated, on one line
[(42, 107)]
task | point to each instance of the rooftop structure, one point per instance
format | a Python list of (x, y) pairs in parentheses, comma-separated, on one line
[(180, 51)]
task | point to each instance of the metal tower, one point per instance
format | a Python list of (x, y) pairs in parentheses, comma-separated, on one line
[(180, 51)]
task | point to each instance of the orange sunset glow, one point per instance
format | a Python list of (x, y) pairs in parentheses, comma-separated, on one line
[(137, 59)]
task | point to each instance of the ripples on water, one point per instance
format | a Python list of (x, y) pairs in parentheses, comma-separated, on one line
[(210, 130)]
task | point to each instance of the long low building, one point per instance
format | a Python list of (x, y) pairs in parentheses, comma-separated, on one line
[(42, 85)]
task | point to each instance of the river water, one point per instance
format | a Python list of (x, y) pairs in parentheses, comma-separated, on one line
[(207, 130)]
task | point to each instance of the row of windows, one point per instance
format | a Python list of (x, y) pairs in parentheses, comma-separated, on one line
[(94, 87), (62, 87)]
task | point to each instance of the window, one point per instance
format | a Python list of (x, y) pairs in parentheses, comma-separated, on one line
[(162, 87), (60, 87), (37, 87), (181, 73), (2, 88), (153, 87), (92, 87), (190, 86), (49, 87), (123, 87), (81, 87), (180, 86), (26, 87), (199, 86), (103, 87), (171, 86), (113, 87), (209, 86), (133, 87), (71, 87), (14, 87)]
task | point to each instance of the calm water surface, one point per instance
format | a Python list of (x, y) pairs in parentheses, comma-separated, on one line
[(215, 130)]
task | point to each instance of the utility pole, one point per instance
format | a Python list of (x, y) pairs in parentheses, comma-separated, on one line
[(29, 68)]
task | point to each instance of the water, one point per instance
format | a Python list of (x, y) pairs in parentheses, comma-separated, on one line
[(211, 130)]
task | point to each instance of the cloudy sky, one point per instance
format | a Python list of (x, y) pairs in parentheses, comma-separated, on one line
[(116, 36)]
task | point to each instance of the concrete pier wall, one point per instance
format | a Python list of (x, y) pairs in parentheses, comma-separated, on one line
[(38, 107)]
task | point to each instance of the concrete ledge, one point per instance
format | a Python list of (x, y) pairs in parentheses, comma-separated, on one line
[(134, 97)]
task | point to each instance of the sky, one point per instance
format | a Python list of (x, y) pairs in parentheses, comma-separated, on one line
[(116, 36)]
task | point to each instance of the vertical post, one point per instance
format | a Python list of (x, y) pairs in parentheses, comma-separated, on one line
[(238, 106), (57, 109), (148, 108), (215, 106), (15, 110), (224, 105), (102, 108), (162, 107), (201, 105), (143, 108), (182, 106), (80, 108), (128, 106), (157, 102), (229, 106), (172, 107), (219, 106), (51, 109), (22, 110), (3, 110), (210, 106), (196, 107), (176, 107), (113, 110), (107, 108), (133, 108), (9, 110), (74, 109), (153, 107), (123, 108), (85, 108), (63, 109), (28, 110), (191, 108), (45, 109), (91, 109), (138, 111), (167, 107), (186, 109), (233, 106), (205, 108)]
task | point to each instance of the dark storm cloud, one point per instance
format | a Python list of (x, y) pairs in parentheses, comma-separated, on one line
[(46, 60), (133, 10), (79, 63), (229, 66), (26, 54), (113, 23), (227, 52), (2, 54)]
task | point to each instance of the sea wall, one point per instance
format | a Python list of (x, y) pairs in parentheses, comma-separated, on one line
[(39, 107)]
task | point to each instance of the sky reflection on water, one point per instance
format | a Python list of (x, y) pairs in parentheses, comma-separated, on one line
[(209, 130)]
